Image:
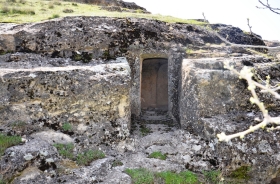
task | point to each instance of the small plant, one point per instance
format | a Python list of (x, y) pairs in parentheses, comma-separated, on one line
[(241, 173), (51, 5), (8, 141), (19, 124), (66, 127), (89, 156), (139, 11), (212, 176), (145, 131), (117, 163), (68, 11), (11, 1), (185, 177), (22, 1), (158, 155), (57, 3), (2, 181), (74, 4), (65, 150), (140, 176), (54, 16)]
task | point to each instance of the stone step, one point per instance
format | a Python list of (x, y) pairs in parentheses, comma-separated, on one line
[(145, 117)]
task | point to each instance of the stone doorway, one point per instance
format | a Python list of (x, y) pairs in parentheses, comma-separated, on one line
[(154, 84)]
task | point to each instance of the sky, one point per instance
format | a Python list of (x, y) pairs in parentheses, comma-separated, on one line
[(231, 12)]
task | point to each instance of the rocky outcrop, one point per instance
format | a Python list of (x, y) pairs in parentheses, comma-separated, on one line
[(73, 70), (95, 97), (236, 35), (208, 89)]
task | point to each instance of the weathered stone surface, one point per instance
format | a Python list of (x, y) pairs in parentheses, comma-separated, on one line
[(34, 152), (89, 38), (236, 35), (92, 95), (62, 71), (207, 89)]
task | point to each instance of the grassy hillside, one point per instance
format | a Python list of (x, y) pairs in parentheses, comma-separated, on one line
[(24, 11)]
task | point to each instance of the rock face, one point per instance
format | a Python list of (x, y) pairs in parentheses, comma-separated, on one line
[(89, 72), (207, 90), (90, 94), (236, 35)]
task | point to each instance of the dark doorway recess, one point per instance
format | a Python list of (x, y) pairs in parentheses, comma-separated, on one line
[(154, 84)]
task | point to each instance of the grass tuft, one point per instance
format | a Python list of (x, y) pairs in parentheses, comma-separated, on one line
[(65, 150), (144, 176), (158, 155), (8, 141), (66, 127), (186, 177), (241, 173), (140, 176), (212, 176), (87, 157)]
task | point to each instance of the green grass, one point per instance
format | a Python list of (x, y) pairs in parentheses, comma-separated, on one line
[(144, 176), (45, 9), (89, 156), (8, 141), (140, 176), (117, 163), (158, 155), (19, 124), (2, 181), (212, 176), (66, 126), (145, 131), (65, 150), (185, 177), (241, 173)]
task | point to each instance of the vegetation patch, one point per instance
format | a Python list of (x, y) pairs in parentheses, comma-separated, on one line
[(158, 155), (55, 7), (145, 131), (54, 16), (212, 176), (8, 141), (89, 156), (65, 150), (84, 158), (117, 163), (241, 173), (144, 176), (186, 177), (67, 127), (2, 181), (140, 176)]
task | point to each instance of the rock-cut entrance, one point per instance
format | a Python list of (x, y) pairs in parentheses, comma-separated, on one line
[(154, 84)]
